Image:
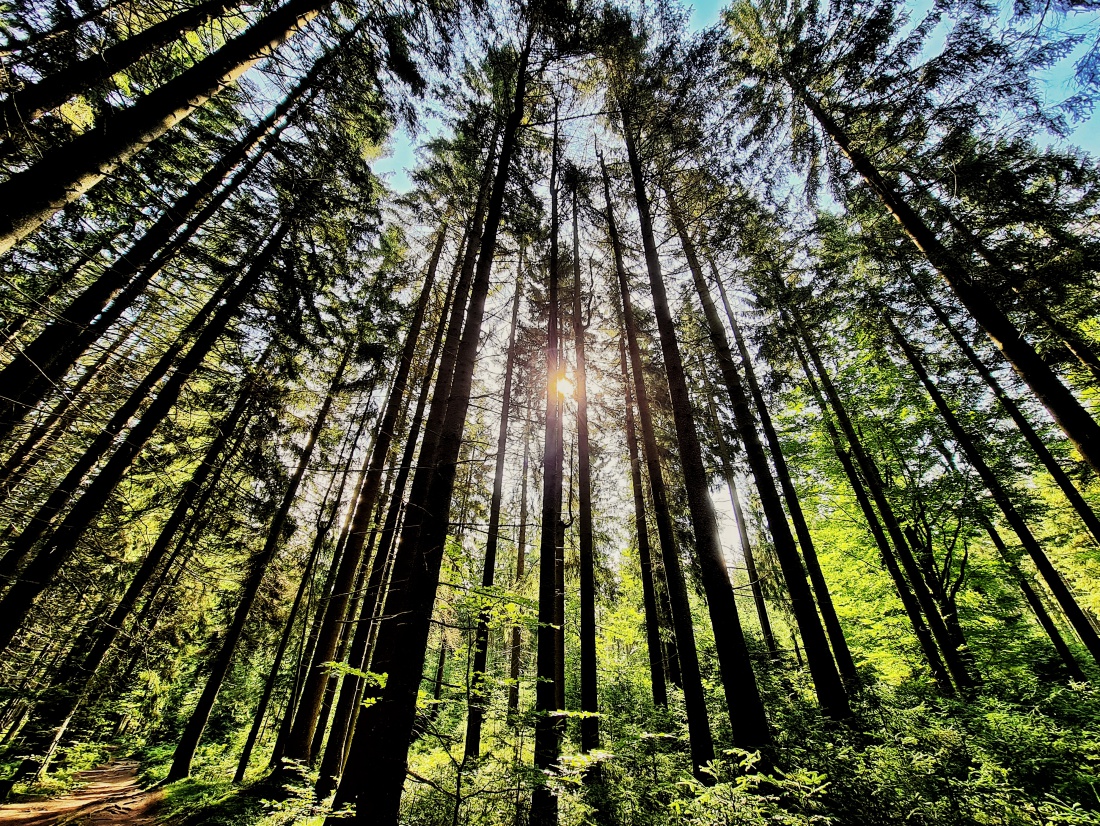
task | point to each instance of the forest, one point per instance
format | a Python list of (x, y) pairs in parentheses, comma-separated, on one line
[(702, 427)]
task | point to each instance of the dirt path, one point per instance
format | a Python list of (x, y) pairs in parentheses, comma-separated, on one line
[(111, 795)]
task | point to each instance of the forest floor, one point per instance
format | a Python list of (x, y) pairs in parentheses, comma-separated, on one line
[(111, 794)]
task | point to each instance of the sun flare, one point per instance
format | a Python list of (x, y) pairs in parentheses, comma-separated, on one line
[(565, 386)]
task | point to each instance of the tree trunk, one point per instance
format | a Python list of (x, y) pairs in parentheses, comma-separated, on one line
[(478, 693), (549, 663), (742, 530), (645, 561), (702, 744), (1067, 411), (1034, 601), (590, 726), (36, 99), (62, 175), (1000, 495), (323, 526), (89, 654), (381, 747), (748, 719), (192, 733), (516, 647), (348, 705), (64, 414)]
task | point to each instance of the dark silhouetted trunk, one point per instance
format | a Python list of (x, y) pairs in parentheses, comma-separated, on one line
[(873, 480), (34, 100), (62, 541), (549, 662), (590, 726), (748, 720), (1034, 440), (323, 526), (1035, 602), (43, 362), (478, 692), (645, 561), (841, 653), (348, 704), (827, 682), (299, 743), (742, 529), (516, 647)]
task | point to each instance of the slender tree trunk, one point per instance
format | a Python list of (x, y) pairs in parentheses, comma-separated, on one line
[(335, 681), (830, 690), (548, 699), (742, 531), (300, 741), (1000, 495), (30, 198), (841, 652), (874, 484), (48, 512), (516, 648), (381, 747), (63, 415), (1035, 602), (36, 99), (478, 693), (1078, 345), (16, 46), (909, 602), (702, 744), (645, 561), (1034, 440), (192, 733), (590, 726), (348, 705), (1067, 411), (43, 362), (309, 640), (90, 653)]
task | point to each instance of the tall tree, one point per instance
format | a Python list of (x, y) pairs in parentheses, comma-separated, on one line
[(481, 650)]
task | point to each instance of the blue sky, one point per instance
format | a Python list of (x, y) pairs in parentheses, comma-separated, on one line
[(1058, 84)]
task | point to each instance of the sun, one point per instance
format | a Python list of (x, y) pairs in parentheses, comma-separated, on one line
[(564, 386)]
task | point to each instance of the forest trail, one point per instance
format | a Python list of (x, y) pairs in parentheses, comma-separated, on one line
[(112, 794)]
